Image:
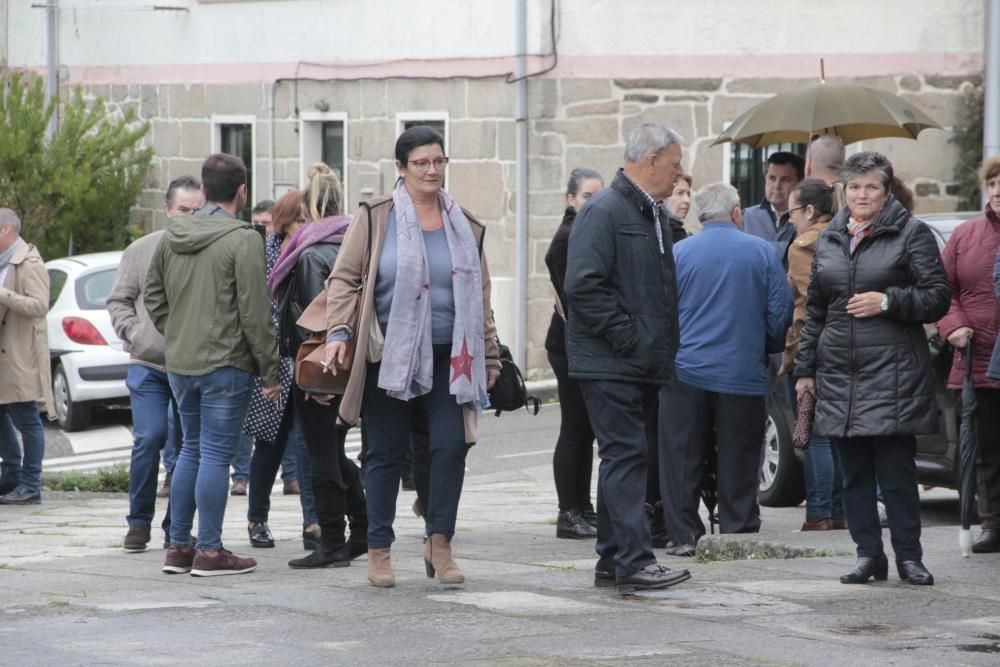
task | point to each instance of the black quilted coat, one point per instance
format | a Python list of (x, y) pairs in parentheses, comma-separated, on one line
[(873, 374)]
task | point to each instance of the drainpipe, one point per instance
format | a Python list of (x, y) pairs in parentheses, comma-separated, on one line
[(270, 136), (52, 60), (991, 84), (520, 348)]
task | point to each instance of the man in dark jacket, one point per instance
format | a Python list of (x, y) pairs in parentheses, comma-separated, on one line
[(769, 219), (735, 306), (621, 337)]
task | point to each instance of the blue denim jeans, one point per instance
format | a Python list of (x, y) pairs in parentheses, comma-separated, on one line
[(24, 417), (152, 411), (824, 487), (213, 408), (10, 451), (173, 445), (242, 456)]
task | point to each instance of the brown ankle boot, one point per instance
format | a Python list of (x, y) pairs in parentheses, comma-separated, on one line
[(380, 572), (437, 557)]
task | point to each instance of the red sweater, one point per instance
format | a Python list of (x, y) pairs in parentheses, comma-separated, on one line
[(969, 258)]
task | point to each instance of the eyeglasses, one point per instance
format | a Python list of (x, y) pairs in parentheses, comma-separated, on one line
[(423, 165), (797, 208)]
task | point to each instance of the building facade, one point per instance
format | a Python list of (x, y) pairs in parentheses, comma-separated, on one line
[(285, 83)]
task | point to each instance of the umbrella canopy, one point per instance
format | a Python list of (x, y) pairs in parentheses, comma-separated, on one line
[(967, 455), (851, 111)]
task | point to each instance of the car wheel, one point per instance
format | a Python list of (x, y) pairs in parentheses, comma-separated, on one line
[(71, 415), (781, 482)]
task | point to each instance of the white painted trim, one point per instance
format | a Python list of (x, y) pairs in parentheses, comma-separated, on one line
[(310, 120), (403, 116), (727, 155), (218, 120)]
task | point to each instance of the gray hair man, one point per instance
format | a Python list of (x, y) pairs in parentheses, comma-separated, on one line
[(24, 363), (825, 158), (734, 306), (621, 338)]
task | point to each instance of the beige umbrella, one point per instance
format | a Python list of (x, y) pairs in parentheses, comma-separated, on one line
[(851, 111)]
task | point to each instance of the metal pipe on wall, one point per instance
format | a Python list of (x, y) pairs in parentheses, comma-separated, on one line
[(520, 348), (52, 60), (991, 83)]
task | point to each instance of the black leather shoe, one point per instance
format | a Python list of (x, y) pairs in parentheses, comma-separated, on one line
[(356, 548), (674, 549), (7, 485), (572, 526), (339, 557), (260, 536), (310, 540), (588, 514), (604, 574), (21, 496), (866, 568), (651, 577), (988, 542), (914, 572)]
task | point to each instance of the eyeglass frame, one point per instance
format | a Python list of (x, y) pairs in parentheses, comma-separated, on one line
[(424, 164)]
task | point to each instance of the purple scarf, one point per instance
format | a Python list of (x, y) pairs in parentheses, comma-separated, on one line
[(327, 230)]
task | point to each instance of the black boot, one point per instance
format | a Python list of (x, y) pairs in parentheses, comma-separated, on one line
[(866, 568), (572, 526), (588, 513), (657, 528), (324, 556), (988, 542), (914, 572)]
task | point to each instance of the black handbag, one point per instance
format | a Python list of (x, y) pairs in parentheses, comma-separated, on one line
[(509, 393)]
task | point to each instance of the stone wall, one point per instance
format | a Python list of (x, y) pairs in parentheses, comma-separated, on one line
[(574, 122)]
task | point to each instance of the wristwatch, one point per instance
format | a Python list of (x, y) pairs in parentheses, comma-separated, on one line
[(885, 303)]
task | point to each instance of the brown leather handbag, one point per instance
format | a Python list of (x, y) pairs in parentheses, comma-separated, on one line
[(310, 374)]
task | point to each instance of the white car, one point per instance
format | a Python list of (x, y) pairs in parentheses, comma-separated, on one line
[(88, 364)]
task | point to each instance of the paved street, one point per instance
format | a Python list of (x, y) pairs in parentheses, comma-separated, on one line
[(71, 596)]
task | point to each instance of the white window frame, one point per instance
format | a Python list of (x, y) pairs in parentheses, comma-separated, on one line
[(310, 145), (239, 119), (404, 116)]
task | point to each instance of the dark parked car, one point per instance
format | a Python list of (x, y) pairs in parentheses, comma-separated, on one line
[(781, 479)]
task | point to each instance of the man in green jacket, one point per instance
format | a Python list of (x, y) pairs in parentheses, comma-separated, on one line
[(206, 294)]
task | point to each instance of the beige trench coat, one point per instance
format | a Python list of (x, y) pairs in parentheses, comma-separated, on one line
[(25, 373)]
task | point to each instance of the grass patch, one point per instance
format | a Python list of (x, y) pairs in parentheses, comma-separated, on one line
[(106, 480), (58, 603)]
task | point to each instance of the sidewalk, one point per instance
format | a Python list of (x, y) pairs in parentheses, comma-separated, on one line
[(71, 596)]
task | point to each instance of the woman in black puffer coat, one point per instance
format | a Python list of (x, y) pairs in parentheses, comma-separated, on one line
[(876, 278)]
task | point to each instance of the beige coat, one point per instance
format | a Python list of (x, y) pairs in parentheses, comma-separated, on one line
[(341, 293), (800, 257), (25, 373)]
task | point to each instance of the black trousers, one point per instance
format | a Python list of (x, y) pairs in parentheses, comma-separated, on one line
[(988, 457), (620, 413), (264, 466), (573, 459), (692, 420), (337, 486), (888, 463)]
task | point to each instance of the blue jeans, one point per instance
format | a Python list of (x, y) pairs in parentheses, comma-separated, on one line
[(388, 421), (173, 446), (242, 455), (24, 417), (824, 487), (213, 408), (152, 411), (10, 451)]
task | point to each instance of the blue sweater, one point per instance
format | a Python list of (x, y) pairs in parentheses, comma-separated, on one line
[(735, 307)]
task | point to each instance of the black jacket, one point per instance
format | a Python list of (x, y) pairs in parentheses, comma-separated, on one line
[(555, 260), (299, 289), (621, 291), (873, 375)]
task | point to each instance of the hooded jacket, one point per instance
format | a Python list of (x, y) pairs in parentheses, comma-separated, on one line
[(206, 293), (873, 374)]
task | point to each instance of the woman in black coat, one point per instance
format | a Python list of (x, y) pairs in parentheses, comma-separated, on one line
[(876, 278)]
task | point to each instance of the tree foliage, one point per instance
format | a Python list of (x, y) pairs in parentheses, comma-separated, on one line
[(76, 188), (968, 137)]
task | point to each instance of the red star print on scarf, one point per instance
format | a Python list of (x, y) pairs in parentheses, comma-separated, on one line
[(462, 364)]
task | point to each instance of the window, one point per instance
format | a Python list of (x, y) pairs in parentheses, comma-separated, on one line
[(93, 289), (747, 167), (323, 138), (235, 135), (434, 119), (57, 280)]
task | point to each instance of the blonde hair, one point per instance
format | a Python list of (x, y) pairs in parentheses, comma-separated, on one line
[(323, 195), (990, 168)]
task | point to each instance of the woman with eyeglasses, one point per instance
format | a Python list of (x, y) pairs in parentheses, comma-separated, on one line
[(425, 340)]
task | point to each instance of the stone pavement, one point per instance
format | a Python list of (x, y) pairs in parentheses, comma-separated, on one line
[(69, 595)]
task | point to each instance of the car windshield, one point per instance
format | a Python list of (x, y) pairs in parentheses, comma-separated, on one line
[(92, 290)]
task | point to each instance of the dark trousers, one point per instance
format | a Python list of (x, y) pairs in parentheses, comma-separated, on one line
[(620, 413), (389, 426), (573, 459), (988, 457), (336, 481), (888, 463), (692, 420)]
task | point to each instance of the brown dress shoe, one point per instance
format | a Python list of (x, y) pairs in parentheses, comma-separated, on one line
[(380, 572), (839, 524), (438, 559), (817, 524), (291, 488)]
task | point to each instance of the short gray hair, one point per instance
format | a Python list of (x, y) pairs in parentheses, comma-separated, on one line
[(827, 153), (649, 139), (8, 217), (716, 201), (862, 163)]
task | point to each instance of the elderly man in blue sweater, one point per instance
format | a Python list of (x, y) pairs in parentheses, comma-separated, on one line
[(734, 306)]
